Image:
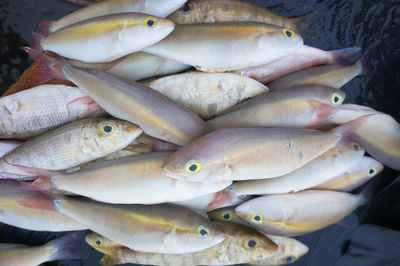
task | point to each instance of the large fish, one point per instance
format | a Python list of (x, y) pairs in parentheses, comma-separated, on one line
[(300, 59), (68, 146), (161, 228), (301, 106), (353, 177), (90, 40), (319, 170), (160, 8), (136, 180), (34, 111), (208, 94), (298, 213), (136, 66), (252, 153), (225, 46), (241, 245), (58, 249), (18, 208)]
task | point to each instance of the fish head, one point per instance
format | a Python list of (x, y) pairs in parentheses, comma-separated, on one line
[(290, 250), (283, 40), (367, 167), (188, 13), (328, 95), (226, 214), (100, 242)]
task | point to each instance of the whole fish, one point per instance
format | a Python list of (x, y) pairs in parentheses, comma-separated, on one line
[(241, 245), (208, 94), (301, 106), (59, 249), (225, 46), (68, 146), (31, 112), (90, 40), (197, 11), (136, 66), (289, 249), (302, 58), (160, 8), (318, 171), (161, 228), (136, 179), (353, 177), (8, 145), (298, 213), (252, 153)]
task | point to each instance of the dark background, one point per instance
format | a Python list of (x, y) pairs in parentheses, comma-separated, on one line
[(335, 24)]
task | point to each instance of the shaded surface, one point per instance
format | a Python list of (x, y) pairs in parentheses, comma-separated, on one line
[(335, 24)]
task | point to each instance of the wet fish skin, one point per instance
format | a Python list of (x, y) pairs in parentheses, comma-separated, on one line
[(162, 228), (68, 146), (301, 107), (29, 113), (89, 40), (8, 145), (226, 46), (208, 94)]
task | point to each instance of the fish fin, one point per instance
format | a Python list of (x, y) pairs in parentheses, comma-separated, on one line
[(304, 23), (91, 106), (43, 201), (5, 175), (347, 130), (345, 56), (322, 111), (109, 65), (369, 190), (109, 260), (37, 37), (65, 247), (366, 68), (45, 27), (43, 183), (219, 199), (36, 171)]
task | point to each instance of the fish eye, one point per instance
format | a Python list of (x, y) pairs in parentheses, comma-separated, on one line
[(150, 22), (252, 244), (226, 215), (202, 232), (289, 259), (288, 33), (242, 196), (99, 242), (336, 98), (106, 128), (371, 172), (257, 219), (193, 166), (356, 146), (187, 6)]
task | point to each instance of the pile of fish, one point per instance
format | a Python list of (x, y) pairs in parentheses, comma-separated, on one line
[(205, 167)]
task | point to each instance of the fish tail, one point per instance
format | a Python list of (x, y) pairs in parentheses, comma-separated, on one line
[(45, 27), (369, 190), (345, 56), (65, 247), (304, 23), (42, 183), (347, 130), (37, 37), (366, 68)]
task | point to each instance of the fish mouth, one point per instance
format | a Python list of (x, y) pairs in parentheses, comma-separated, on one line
[(169, 172)]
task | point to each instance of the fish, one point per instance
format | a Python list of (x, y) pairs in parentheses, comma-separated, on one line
[(332, 75), (89, 40), (302, 106), (139, 181), (318, 171), (252, 153), (302, 58), (136, 66), (18, 208), (32, 112), (353, 177), (241, 245), (8, 145), (226, 46), (198, 11), (58, 249), (299, 213), (289, 249), (67, 146), (160, 8), (162, 228), (207, 94)]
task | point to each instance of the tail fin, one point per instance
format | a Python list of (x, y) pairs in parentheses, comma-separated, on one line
[(370, 189), (347, 130), (304, 23), (345, 56), (64, 247), (37, 37), (45, 27), (366, 68)]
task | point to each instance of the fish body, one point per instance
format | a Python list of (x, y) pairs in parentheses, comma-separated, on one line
[(208, 94), (301, 106), (160, 8), (225, 46), (68, 146), (8, 145), (90, 40), (29, 113)]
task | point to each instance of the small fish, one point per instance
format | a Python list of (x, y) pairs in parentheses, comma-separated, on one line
[(18, 208), (31, 112), (241, 245), (302, 58), (226, 46), (319, 170), (252, 153), (160, 8), (136, 66), (68, 146), (59, 249), (353, 177), (8, 145), (299, 213), (208, 94), (301, 107), (139, 181), (90, 40)]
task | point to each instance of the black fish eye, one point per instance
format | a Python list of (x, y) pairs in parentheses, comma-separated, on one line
[(150, 22), (257, 218), (187, 6), (227, 215), (289, 259), (252, 243), (203, 232), (289, 34), (107, 129), (193, 167), (336, 99), (371, 171), (98, 242)]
